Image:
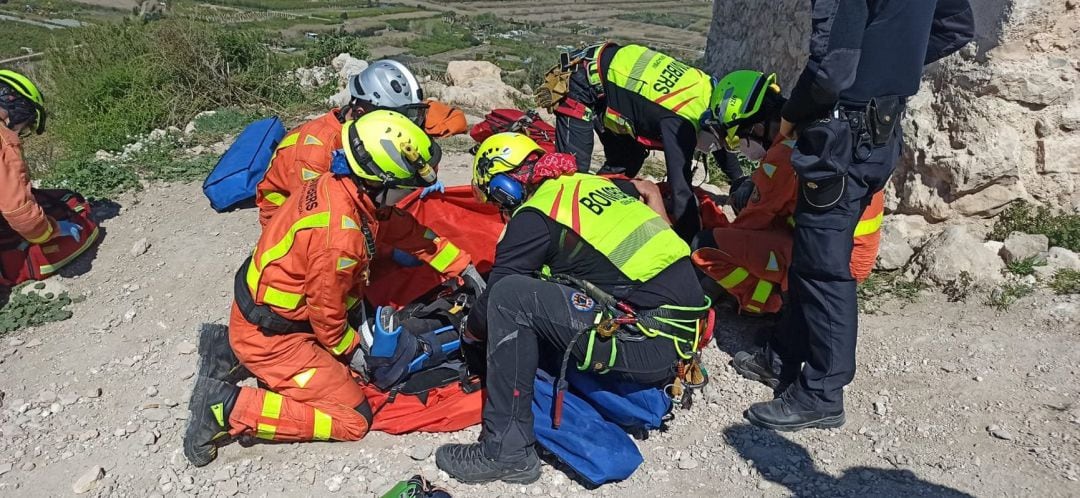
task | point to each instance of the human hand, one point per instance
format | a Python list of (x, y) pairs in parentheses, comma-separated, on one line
[(435, 187), (69, 229)]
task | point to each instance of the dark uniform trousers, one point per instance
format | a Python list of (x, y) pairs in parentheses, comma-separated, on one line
[(574, 134), (820, 326), (531, 324)]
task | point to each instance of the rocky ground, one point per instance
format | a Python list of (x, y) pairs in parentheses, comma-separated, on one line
[(951, 398)]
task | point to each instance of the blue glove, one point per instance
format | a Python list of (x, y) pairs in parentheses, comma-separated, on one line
[(69, 229), (435, 187), (339, 165), (405, 259)]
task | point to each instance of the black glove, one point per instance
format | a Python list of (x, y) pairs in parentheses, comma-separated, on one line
[(740, 193)]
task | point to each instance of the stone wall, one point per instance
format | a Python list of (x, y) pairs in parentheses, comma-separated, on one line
[(998, 122)]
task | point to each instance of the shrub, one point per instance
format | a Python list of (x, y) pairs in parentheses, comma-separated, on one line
[(329, 45), (128, 78), (91, 178), (1066, 282), (1063, 230), (884, 284)]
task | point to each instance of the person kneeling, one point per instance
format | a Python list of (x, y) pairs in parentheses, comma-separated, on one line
[(583, 270)]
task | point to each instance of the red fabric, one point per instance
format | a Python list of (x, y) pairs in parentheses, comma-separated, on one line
[(864, 253), (307, 377), (447, 409), (502, 120), (551, 165), (456, 216), (20, 261)]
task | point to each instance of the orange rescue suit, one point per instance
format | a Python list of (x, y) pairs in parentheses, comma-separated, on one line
[(311, 265), (17, 205), (753, 251), (305, 153)]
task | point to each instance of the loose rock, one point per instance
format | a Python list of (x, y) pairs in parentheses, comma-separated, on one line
[(88, 480), (139, 247), (420, 452)]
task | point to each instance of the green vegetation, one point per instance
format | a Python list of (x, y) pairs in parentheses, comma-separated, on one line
[(291, 4), (1066, 282), (15, 36), (1026, 266), (1063, 230), (328, 46), (27, 308), (130, 78), (435, 36), (959, 289), (669, 19), (93, 178), (1005, 296), (886, 284)]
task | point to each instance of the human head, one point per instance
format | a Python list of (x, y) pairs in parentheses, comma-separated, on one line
[(22, 102), (501, 161), (741, 101), (385, 149)]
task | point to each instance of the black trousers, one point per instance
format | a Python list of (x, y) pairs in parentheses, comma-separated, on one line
[(820, 328), (531, 324), (574, 134)]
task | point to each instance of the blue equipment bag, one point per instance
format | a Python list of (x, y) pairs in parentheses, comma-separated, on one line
[(239, 171), (631, 406), (597, 450)]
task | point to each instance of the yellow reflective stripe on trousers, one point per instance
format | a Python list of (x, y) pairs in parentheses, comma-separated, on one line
[(734, 278), (275, 198), (323, 424), (277, 297), (265, 431), (53, 267), (762, 291), (346, 340), (271, 405), (867, 227), (445, 257)]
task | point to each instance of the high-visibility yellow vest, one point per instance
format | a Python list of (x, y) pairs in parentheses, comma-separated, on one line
[(673, 84), (623, 229)]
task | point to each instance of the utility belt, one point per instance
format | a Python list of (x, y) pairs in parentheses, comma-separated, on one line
[(617, 320), (262, 315), (872, 125)]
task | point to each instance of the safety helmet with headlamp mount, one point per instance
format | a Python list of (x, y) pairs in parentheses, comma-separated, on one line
[(22, 100), (386, 148), (497, 161), (737, 100)]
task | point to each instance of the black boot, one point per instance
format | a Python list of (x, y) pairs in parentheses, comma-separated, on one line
[(216, 357), (467, 463), (755, 365), (208, 423), (783, 414)]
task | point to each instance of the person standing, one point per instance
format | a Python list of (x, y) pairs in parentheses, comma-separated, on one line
[(866, 58)]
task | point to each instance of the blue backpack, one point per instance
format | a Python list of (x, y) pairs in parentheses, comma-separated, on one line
[(597, 450), (239, 171)]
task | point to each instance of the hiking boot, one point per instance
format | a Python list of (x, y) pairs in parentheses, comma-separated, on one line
[(208, 423), (216, 358), (755, 365), (782, 414), (467, 463)]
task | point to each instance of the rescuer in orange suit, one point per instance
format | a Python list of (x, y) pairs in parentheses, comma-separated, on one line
[(305, 152), (22, 111), (749, 256), (290, 323)]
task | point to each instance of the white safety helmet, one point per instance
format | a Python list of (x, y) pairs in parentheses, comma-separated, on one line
[(387, 84)]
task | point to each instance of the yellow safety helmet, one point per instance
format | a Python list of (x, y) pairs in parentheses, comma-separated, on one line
[(385, 147), (498, 154), (737, 98), (31, 96)]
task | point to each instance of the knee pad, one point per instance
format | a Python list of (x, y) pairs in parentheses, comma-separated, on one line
[(364, 409)]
